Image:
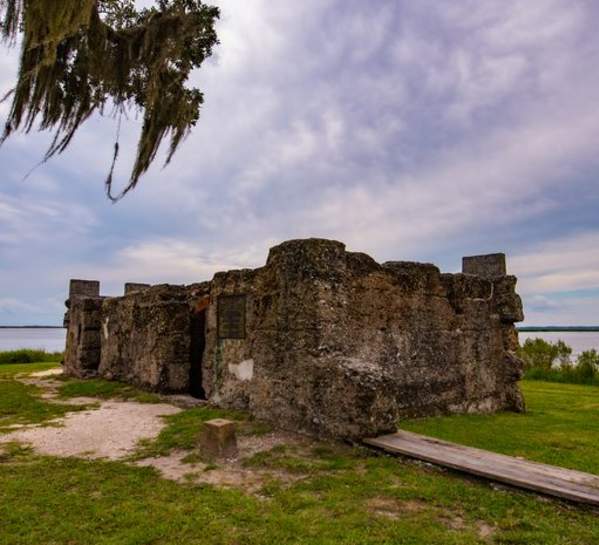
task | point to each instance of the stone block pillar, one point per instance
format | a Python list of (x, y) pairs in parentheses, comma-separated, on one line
[(77, 290), (218, 439), (486, 266), (130, 287), (84, 288)]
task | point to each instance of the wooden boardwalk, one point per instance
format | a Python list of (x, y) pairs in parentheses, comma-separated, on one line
[(554, 481)]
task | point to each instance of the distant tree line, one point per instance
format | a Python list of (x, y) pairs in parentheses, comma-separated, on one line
[(27, 355), (550, 361)]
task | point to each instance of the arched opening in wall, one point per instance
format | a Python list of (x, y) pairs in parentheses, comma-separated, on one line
[(198, 343)]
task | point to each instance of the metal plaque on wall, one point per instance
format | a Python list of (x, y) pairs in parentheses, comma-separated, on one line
[(231, 316)]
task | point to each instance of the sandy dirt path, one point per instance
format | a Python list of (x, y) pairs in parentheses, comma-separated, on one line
[(110, 431)]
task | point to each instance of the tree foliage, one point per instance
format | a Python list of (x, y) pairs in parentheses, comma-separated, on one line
[(540, 354), (82, 56), (587, 364), (553, 362)]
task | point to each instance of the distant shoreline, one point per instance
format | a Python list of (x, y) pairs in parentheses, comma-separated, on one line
[(557, 329), (31, 327)]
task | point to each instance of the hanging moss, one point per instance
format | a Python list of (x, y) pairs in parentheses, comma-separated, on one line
[(80, 56)]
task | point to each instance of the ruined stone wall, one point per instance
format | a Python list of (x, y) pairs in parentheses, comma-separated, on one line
[(130, 287), (339, 345), (322, 340), (145, 338)]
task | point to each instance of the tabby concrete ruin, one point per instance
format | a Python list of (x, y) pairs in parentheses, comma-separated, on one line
[(319, 340)]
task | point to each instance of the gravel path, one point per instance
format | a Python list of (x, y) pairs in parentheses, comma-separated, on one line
[(110, 430)]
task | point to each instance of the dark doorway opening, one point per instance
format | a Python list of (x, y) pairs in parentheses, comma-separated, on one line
[(198, 343)]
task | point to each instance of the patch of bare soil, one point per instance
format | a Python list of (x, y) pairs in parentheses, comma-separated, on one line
[(393, 508), (229, 472), (456, 522), (47, 373), (111, 430), (44, 380), (485, 530)]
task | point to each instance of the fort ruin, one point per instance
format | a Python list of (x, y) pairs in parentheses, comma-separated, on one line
[(319, 340)]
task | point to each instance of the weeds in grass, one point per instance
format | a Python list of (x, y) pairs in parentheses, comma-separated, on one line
[(13, 452), (294, 459), (20, 404), (9, 370), (105, 389)]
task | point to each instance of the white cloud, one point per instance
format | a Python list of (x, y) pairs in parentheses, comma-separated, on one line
[(564, 264), (400, 130), (9, 305), (24, 220), (567, 311), (165, 260)]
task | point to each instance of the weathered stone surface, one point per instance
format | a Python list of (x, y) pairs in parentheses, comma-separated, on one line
[(486, 266), (334, 344), (83, 347), (79, 289), (218, 439), (347, 349), (83, 288), (130, 287), (507, 302), (145, 338)]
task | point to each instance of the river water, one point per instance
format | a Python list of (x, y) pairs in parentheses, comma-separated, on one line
[(50, 339)]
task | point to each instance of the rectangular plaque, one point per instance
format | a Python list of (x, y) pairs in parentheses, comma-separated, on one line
[(231, 316)]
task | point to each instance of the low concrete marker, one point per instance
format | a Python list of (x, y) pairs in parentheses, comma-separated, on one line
[(218, 439)]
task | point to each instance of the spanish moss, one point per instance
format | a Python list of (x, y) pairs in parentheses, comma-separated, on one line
[(84, 56)]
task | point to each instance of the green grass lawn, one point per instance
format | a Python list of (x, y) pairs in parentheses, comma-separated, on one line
[(339, 494), (560, 427), (105, 389), (20, 403)]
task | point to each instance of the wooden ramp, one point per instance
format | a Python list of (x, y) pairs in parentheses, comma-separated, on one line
[(554, 481)]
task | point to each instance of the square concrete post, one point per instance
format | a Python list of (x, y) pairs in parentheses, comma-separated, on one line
[(77, 290), (130, 287), (217, 439), (487, 266), (83, 288)]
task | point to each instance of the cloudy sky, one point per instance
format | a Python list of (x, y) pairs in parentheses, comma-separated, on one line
[(409, 130)]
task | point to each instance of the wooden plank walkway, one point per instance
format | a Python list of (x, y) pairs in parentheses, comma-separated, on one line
[(555, 481)]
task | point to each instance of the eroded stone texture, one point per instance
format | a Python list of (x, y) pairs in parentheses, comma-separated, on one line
[(77, 290), (218, 439), (333, 343), (83, 288), (145, 338), (130, 287), (487, 266), (83, 347)]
